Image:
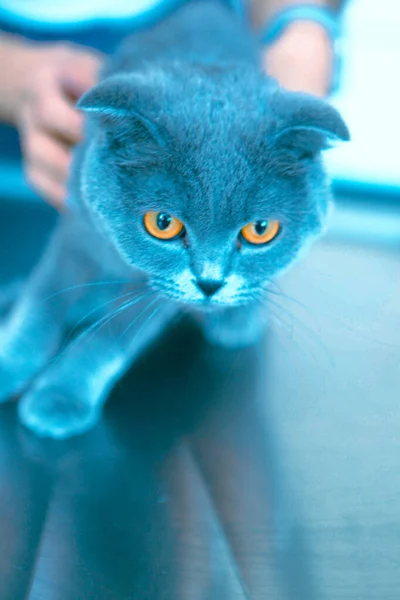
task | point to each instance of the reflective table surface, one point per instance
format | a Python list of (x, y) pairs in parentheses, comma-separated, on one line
[(271, 472)]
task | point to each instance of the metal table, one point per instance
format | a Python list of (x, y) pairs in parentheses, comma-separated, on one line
[(271, 472)]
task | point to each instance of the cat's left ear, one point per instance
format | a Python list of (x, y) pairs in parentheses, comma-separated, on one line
[(305, 123), (123, 100)]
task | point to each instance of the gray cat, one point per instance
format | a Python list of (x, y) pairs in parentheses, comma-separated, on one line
[(199, 180)]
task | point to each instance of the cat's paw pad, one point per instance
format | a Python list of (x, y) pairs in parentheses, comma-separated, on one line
[(49, 412), (10, 382)]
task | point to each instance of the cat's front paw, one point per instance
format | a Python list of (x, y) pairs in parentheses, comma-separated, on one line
[(51, 412)]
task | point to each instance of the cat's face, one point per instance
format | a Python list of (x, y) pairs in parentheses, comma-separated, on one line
[(213, 195)]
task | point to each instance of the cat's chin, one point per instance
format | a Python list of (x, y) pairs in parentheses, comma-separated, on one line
[(206, 304)]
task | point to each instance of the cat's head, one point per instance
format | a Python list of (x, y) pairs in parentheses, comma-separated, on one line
[(209, 180)]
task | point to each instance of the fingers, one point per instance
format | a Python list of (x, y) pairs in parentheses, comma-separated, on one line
[(47, 163), (45, 152), (48, 188), (48, 122), (81, 75), (50, 126), (55, 114)]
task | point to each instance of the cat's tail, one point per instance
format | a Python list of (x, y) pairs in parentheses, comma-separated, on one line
[(8, 294)]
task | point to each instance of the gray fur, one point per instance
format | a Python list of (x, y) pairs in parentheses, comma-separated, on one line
[(183, 121)]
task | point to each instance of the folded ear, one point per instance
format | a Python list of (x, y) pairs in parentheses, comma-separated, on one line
[(306, 123), (120, 103)]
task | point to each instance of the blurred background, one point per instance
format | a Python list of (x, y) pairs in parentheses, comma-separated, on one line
[(368, 96), (267, 473)]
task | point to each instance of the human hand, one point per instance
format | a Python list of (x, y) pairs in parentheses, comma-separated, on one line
[(49, 125), (302, 58)]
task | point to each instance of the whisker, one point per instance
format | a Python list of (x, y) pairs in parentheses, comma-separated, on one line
[(306, 328), (98, 307), (301, 348), (280, 293), (306, 333), (99, 324), (275, 283), (300, 323), (286, 297), (288, 324), (88, 284), (282, 340), (107, 319), (128, 327), (148, 318)]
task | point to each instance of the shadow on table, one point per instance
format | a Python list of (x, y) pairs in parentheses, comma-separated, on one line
[(177, 494)]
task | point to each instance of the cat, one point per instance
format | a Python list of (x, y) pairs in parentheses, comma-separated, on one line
[(198, 181)]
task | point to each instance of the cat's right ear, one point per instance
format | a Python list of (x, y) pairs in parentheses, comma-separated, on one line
[(120, 102), (306, 124)]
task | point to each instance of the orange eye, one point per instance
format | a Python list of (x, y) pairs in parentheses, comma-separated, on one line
[(260, 232), (162, 226)]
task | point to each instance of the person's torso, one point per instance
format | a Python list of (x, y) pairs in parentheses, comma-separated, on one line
[(50, 15), (47, 13)]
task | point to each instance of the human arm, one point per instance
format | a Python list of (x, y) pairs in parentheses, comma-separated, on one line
[(302, 57)]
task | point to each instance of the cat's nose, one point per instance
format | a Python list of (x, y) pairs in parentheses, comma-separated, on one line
[(209, 287)]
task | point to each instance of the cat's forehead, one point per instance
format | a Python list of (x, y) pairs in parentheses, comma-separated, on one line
[(214, 100), (213, 192), (216, 172), (219, 174)]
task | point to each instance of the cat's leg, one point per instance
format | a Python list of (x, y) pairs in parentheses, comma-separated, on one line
[(235, 327), (31, 333), (67, 398)]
